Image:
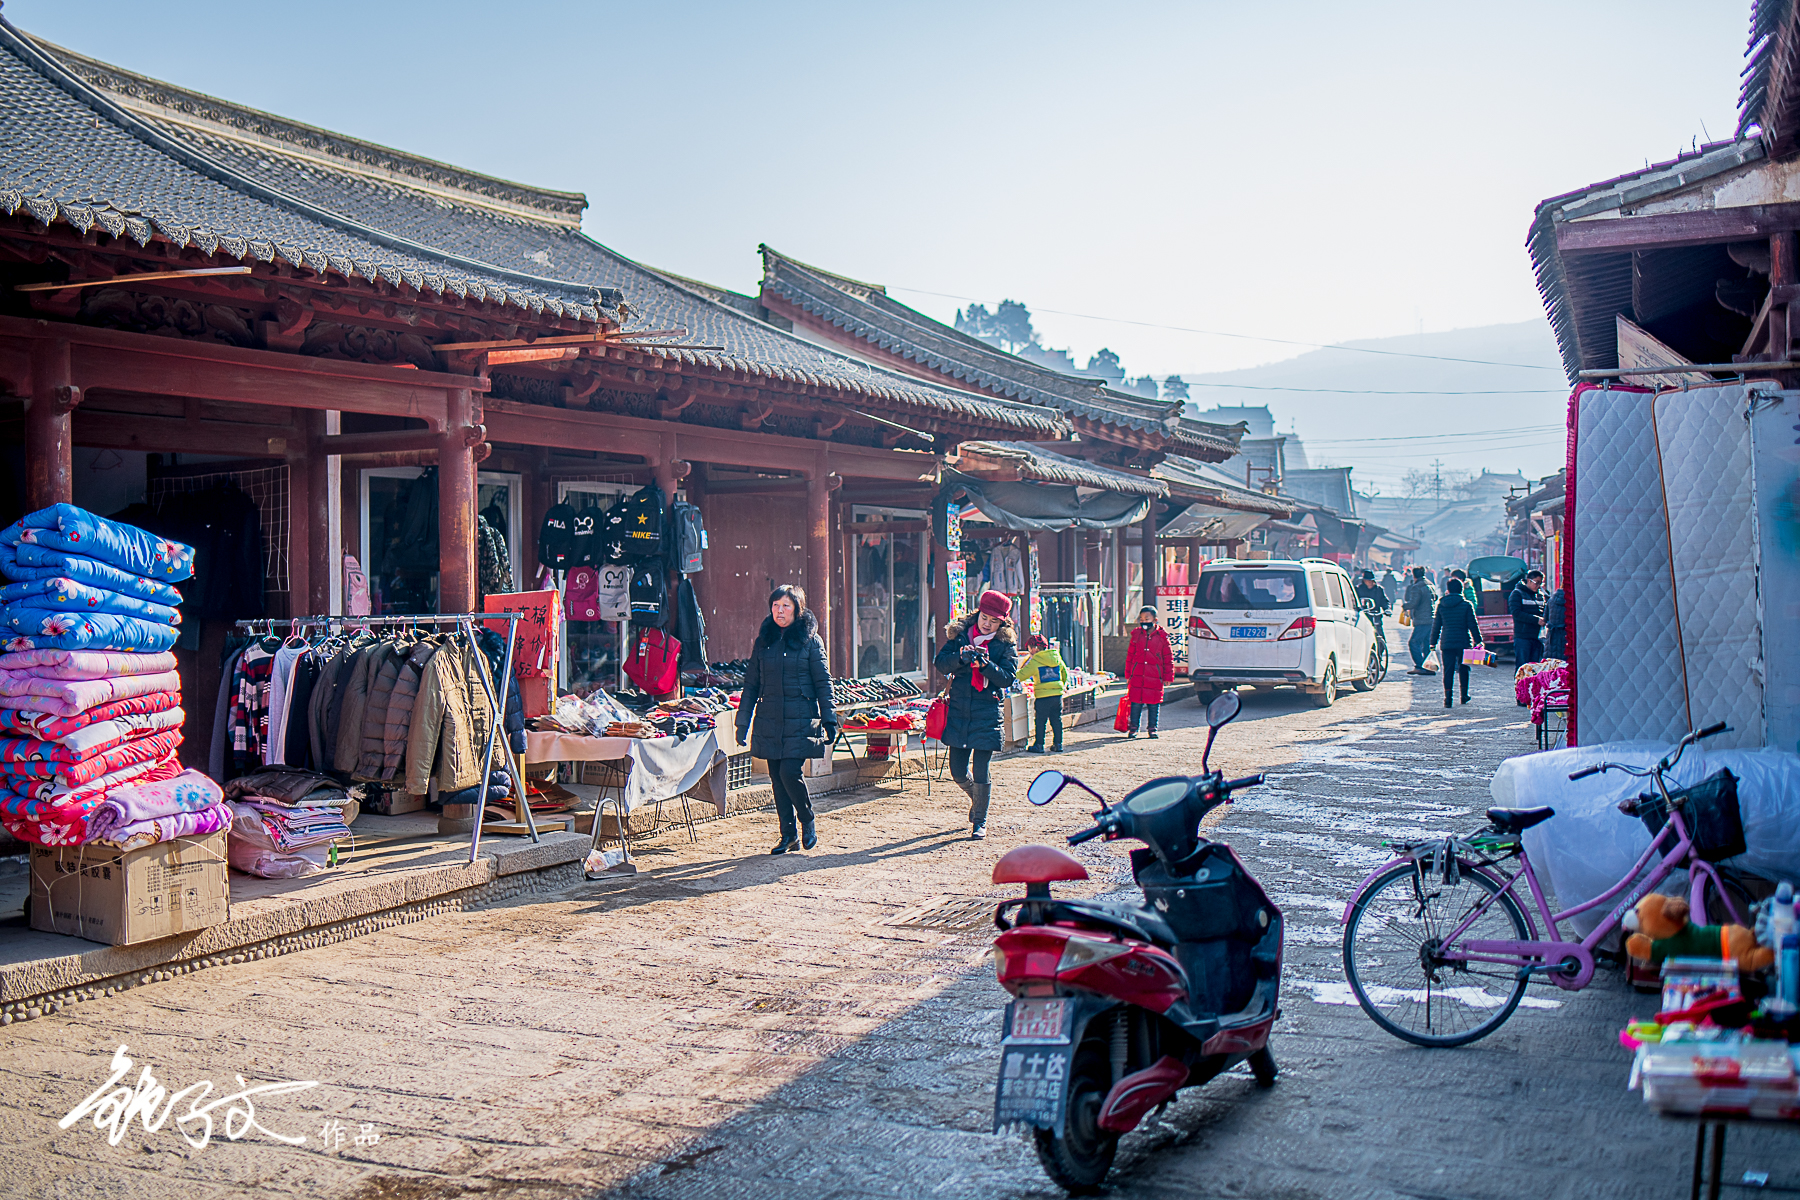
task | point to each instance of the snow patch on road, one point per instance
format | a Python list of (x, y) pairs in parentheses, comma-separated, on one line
[(1337, 991)]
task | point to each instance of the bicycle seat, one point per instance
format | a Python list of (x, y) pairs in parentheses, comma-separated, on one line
[(1518, 820)]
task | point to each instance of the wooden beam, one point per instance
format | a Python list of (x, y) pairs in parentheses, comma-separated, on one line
[(177, 435), (1749, 222), (137, 278), (386, 442)]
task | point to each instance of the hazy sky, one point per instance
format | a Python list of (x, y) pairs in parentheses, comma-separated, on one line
[(1313, 172)]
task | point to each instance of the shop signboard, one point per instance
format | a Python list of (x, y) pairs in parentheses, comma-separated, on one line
[(534, 654), (1172, 605), (956, 578)]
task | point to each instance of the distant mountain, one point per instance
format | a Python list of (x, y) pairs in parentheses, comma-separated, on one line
[(1343, 403)]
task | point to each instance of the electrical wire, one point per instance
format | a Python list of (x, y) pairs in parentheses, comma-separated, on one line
[(1517, 430), (1246, 337), (1264, 387)]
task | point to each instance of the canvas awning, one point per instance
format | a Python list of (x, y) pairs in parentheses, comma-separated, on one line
[(1211, 523), (1039, 507)]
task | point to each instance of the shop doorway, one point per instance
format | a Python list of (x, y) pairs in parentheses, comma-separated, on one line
[(889, 586), (398, 507)]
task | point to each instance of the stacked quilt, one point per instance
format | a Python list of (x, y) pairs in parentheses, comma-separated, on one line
[(90, 700)]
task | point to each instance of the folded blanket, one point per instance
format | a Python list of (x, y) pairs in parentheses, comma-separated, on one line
[(51, 727), (139, 834), (84, 743), (45, 629), (86, 664), (27, 562), (78, 531), (189, 791), (66, 697), (142, 749), (65, 595), (47, 801)]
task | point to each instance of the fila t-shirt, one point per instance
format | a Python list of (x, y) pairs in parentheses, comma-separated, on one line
[(615, 592)]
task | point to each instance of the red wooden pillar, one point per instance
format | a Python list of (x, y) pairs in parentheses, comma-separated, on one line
[(1784, 270), (49, 436), (456, 503), (1152, 558), (820, 483)]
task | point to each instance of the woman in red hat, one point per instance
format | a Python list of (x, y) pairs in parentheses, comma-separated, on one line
[(1149, 664), (981, 659)]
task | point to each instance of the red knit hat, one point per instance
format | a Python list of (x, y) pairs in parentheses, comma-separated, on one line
[(995, 604)]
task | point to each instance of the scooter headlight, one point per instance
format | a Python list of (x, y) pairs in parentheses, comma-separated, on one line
[(1085, 952)]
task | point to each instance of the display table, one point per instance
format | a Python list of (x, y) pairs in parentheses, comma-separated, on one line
[(658, 768)]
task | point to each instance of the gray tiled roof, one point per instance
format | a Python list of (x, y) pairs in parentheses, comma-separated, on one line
[(70, 152), (1191, 477), (1044, 464), (504, 223), (870, 313)]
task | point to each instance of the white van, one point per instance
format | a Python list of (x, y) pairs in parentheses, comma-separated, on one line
[(1279, 623)]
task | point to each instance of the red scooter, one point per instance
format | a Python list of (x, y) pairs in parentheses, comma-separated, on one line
[(1119, 1005)]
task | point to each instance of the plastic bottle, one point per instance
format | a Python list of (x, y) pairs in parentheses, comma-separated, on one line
[(1786, 943)]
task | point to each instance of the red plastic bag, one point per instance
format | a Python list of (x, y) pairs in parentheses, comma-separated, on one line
[(937, 716), (1122, 722), (655, 663)]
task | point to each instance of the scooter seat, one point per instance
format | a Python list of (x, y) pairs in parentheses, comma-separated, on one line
[(1132, 920), (1518, 820)]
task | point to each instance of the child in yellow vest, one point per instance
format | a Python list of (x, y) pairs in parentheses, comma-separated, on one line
[(1049, 676)]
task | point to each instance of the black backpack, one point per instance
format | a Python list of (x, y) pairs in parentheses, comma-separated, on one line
[(584, 538), (687, 538), (635, 526), (649, 594), (555, 546)]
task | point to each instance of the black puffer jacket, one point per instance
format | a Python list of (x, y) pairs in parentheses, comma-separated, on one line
[(788, 686), (1455, 628), (975, 716)]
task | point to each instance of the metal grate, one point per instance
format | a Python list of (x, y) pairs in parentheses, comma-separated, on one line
[(737, 772), (267, 488), (955, 912)]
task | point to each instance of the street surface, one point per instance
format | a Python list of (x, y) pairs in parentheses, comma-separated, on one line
[(731, 1025)]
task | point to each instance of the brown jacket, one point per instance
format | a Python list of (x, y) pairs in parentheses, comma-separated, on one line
[(384, 745), (450, 722), (348, 747)]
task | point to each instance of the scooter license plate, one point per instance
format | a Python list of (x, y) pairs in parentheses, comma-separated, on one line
[(1039, 1021)]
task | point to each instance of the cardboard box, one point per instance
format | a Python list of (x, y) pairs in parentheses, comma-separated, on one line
[(114, 897), (393, 804)]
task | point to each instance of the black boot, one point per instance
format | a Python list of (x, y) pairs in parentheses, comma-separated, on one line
[(787, 844), (809, 836)]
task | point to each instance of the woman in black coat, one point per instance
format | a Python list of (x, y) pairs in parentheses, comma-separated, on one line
[(1453, 630), (981, 660), (788, 689)]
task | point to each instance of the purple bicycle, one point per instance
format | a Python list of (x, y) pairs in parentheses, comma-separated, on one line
[(1438, 947)]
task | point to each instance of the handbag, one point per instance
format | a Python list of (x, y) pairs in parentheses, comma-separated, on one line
[(1122, 722), (938, 716), (1406, 616)]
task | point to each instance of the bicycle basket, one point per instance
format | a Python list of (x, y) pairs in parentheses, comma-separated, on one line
[(1709, 809)]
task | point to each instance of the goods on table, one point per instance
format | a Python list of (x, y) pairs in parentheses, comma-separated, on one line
[(89, 688)]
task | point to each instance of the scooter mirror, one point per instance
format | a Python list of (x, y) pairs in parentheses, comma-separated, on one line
[(1224, 707), (1045, 787)]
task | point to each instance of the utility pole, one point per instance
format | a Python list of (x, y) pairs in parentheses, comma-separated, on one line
[(1437, 480)]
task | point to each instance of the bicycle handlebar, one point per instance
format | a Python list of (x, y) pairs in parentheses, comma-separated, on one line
[(1710, 730), (1585, 772)]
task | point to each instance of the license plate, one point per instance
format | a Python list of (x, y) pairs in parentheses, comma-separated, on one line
[(1249, 631), (1038, 1021)]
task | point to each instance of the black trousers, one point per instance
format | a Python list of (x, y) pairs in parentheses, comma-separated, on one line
[(1154, 710), (965, 763), (1527, 648), (1047, 710), (1454, 668), (791, 799)]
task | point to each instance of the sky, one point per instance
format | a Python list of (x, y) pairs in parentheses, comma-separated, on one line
[(1148, 177)]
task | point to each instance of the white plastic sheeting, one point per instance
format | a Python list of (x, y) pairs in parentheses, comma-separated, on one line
[(1589, 845)]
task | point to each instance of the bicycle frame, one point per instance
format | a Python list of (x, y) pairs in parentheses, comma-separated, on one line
[(1569, 965)]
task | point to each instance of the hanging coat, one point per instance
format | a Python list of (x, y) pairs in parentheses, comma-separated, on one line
[(975, 717), (1149, 664)]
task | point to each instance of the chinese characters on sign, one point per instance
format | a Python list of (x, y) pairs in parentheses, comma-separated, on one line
[(1172, 605), (956, 578), (1032, 1082)]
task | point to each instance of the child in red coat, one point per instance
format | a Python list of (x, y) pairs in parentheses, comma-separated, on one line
[(1149, 664)]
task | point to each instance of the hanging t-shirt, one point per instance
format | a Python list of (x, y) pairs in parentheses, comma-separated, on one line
[(615, 592)]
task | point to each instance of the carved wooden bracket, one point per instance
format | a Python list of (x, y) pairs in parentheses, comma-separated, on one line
[(673, 406), (824, 427), (755, 415)]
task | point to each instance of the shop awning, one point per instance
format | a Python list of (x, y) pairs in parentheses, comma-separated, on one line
[(1039, 507), (1211, 523)]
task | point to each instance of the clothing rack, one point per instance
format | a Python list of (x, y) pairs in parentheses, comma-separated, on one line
[(465, 622)]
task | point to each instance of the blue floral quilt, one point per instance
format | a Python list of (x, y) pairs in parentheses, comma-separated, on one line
[(78, 531)]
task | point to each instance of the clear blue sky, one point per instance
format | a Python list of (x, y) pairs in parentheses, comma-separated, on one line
[(1317, 172)]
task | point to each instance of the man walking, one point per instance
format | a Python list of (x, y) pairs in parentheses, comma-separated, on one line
[(1526, 604), (1420, 602)]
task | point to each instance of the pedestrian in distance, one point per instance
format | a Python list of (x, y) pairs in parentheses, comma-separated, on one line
[(1556, 614), (980, 657), (1420, 602), (786, 713), (1049, 675), (1526, 604), (1453, 630), (1149, 664)]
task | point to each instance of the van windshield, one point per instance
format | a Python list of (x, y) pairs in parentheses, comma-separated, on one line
[(1251, 589)]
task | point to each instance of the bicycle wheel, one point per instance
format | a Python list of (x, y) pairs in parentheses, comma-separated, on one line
[(1389, 959)]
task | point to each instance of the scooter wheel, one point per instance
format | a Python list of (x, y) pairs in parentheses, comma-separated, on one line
[(1079, 1160), (1262, 1066)]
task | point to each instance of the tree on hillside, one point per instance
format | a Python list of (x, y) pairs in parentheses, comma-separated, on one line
[(1143, 386), (1175, 388), (1436, 484), (1007, 327), (1106, 365)]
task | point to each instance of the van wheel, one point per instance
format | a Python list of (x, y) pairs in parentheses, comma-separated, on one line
[(1326, 696), (1203, 697)]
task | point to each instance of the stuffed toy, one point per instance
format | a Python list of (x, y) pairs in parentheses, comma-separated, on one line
[(1660, 930)]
